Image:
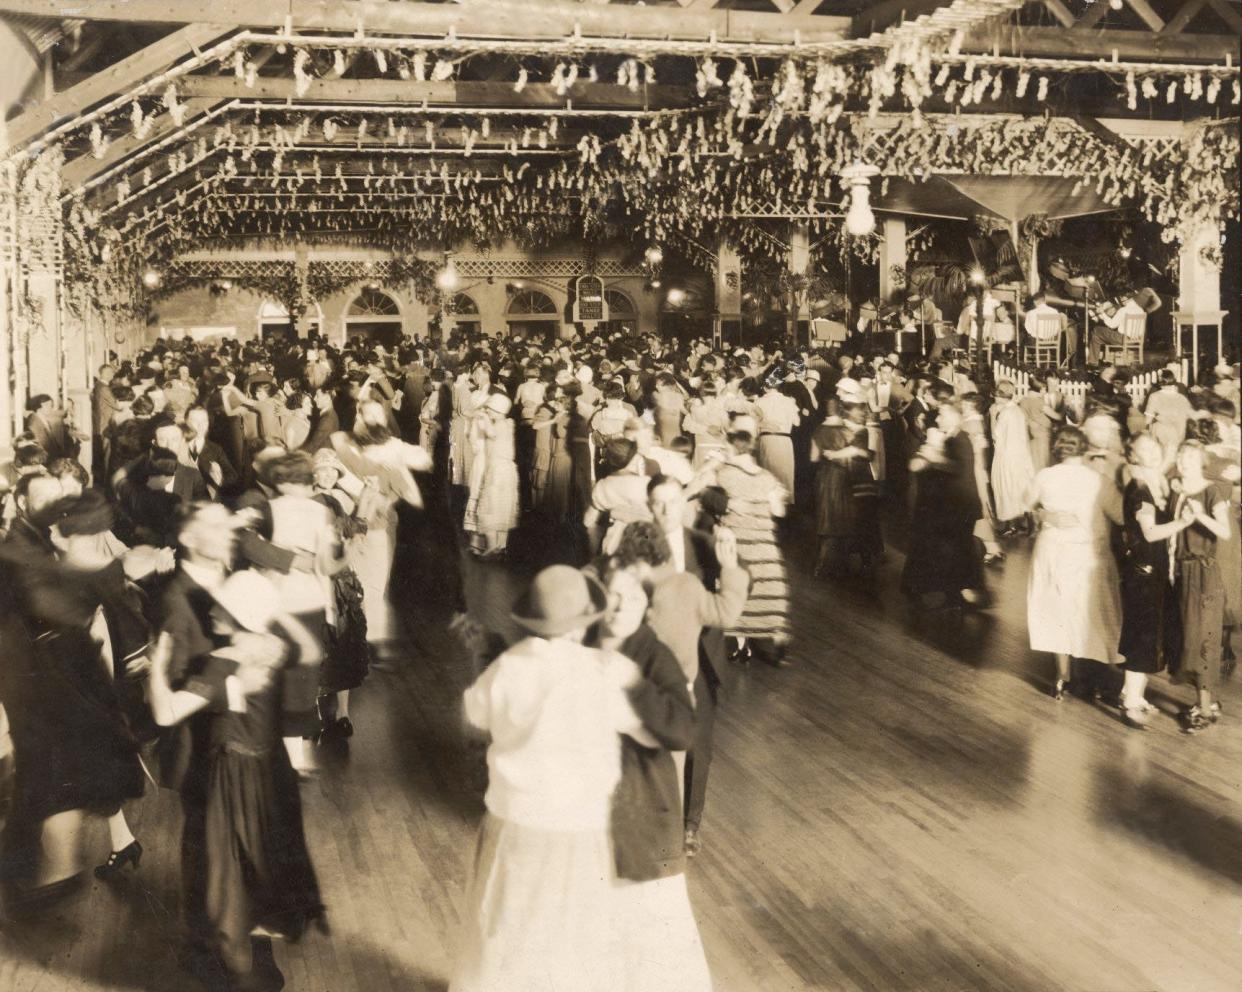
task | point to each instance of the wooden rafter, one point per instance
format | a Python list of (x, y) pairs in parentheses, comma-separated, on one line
[(1092, 16), (1061, 12), (1227, 14), (108, 82), (1044, 42), (1183, 17), (471, 93), (1148, 14), (84, 168), (482, 18)]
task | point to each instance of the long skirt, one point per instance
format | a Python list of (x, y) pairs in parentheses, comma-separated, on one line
[(258, 870), (777, 456), (498, 506), (347, 659), (1151, 626), (541, 913), (1201, 596), (1073, 599), (766, 613), (370, 556), (664, 949)]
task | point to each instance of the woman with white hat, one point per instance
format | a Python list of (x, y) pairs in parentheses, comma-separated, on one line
[(756, 500), (386, 464), (494, 509), (540, 907)]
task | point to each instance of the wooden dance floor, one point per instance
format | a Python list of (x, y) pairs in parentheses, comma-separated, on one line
[(904, 809)]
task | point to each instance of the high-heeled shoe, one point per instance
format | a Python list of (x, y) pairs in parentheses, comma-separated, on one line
[(1059, 689), (117, 860), (344, 727)]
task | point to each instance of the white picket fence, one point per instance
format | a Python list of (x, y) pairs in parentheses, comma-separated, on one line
[(1076, 391)]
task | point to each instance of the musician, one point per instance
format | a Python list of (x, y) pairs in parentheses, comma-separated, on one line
[(1108, 329), (1042, 307)]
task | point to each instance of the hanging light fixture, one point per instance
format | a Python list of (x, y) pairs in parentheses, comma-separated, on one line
[(446, 278), (152, 279), (977, 278), (859, 219), (675, 296), (654, 255)]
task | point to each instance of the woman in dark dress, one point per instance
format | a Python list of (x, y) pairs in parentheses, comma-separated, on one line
[(346, 659), (1151, 623), (942, 560), (76, 751), (845, 493), (1200, 589), (259, 877)]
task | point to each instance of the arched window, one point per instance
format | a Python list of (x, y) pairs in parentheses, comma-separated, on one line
[(530, 304), (622, 314), (374, 316), (463, 303), (464, 313), (274, 319), (373, 303), (619, 305)]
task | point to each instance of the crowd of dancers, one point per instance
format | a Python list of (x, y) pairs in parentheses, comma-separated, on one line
[(197, 607)]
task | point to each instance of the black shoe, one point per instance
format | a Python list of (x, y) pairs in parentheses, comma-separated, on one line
[(343, 728), (117, 860)]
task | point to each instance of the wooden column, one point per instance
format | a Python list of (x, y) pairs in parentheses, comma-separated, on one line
[(727, 325), (892, 257), (799, 264), (8, 277)]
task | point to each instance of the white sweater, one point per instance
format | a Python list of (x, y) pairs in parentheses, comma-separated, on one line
[(554, 710)]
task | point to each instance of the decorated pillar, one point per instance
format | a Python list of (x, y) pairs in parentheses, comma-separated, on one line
[(799, 263), (893, 258), (1198, 282), (37, 290), (8, 279), (728, 322)]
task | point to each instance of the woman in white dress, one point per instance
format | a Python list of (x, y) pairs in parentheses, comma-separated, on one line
[(386, 465), (708, 422), (1012, 468), (1073, 600), (541, 909)]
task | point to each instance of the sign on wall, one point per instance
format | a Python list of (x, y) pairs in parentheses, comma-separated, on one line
[(590, 307)]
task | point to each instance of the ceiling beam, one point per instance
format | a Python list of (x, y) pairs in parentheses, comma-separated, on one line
[(480, 19), (1040, 42), (84, 168), (477, 93), (1183, 17), (881, 16), (1149, 16), (106, 83), (1227, 14)]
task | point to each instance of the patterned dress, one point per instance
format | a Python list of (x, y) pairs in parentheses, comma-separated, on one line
[(752, 491)]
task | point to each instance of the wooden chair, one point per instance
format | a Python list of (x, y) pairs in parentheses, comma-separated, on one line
[(1046, 348), (1133, 332)]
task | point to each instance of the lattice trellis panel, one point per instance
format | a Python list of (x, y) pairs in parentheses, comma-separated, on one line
[(545, 268)]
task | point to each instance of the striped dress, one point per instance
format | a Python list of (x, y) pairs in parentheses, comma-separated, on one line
[(752, 491)]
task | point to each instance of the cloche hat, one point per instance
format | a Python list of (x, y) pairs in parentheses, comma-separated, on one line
[(560, 599)]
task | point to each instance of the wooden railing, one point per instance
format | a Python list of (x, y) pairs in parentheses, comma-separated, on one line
[(1076, 390)]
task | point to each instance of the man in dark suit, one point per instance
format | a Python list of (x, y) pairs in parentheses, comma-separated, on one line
[(213, 464), (694, 552), (326, 422)]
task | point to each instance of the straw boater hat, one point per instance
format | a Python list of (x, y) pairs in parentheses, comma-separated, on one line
[(559, 600)]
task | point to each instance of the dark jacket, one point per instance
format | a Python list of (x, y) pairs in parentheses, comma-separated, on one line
[(326, 424), (647, 830)]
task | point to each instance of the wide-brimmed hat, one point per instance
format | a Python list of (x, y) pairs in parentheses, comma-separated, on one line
[(559, 599)]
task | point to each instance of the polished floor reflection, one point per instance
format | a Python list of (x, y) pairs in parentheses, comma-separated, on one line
[(903, 809)]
